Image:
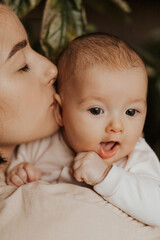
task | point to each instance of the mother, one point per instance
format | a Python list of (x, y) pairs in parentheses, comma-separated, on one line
[(39, 211), (26, 92)]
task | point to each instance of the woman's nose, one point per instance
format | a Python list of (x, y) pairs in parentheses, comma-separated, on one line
[(114, 126), (49, 72)]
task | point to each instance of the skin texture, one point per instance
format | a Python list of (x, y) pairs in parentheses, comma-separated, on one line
[(110, 93), (26, 88)]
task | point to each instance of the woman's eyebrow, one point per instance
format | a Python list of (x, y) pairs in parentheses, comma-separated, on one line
[(17, 47)]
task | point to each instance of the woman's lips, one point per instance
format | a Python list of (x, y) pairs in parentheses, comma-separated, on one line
[(108, 149), (52, 105)]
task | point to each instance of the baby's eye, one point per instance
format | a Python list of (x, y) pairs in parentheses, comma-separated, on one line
[(131, 112), (96, 111), (24, 69)]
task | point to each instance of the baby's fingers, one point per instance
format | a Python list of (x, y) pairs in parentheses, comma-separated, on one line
[(22, 174), (76, 164), (78, 175), (33, 173), (15, 180), (80, 156)]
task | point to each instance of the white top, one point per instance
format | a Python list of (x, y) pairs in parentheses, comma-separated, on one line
[(132, 184)]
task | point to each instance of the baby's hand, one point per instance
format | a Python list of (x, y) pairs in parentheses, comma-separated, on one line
[(90, 168), (23, 173)]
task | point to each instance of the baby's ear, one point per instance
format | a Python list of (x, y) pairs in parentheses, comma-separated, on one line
[(58, 110)]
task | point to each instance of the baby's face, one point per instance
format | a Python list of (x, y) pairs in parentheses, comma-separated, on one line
[(105, 111)]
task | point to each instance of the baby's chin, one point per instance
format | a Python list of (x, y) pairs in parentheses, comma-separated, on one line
[(116, 158)]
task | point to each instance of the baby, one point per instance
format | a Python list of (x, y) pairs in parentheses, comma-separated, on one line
[(101, 108)]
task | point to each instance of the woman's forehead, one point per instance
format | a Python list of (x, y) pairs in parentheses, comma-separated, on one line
[(11, 32), (8, 18)]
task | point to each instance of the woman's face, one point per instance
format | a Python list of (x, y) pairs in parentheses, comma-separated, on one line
[(26, 91)]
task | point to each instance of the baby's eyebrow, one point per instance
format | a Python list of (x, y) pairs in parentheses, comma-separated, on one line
[(138, 100), (17, 47), (98, 98)]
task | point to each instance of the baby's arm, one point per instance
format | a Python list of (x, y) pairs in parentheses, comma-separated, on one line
[(137, 192), (22, 173), (136, 187), (137, 195)]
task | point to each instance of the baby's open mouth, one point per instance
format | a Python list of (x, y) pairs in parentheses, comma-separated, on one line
[(108, 149)]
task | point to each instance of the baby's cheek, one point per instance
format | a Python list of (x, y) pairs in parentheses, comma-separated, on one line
[(129, 145)]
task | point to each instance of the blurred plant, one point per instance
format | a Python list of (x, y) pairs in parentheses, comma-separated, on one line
[(117, 8), (63, 20)]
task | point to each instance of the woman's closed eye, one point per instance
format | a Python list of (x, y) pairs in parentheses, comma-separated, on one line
[(131, 112), (24, 69), (96, 111)]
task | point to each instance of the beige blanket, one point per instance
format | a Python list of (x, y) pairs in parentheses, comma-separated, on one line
[(40, 211)]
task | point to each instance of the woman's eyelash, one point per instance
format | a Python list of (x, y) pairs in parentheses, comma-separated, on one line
[(24, 69)]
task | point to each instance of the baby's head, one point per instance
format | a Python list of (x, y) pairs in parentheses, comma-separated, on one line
[(102, 85)]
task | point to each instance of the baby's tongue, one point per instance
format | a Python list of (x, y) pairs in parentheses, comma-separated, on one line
[(107, 146), (107, 150)]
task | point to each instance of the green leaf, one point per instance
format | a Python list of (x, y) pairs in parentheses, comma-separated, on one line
[(123, 5), (63, 20), (119, 9), (22, 7)]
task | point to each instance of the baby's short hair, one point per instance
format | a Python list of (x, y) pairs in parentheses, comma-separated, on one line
[(94, 49)]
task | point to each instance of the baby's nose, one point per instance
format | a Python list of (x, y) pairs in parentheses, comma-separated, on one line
[(115, 126)]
